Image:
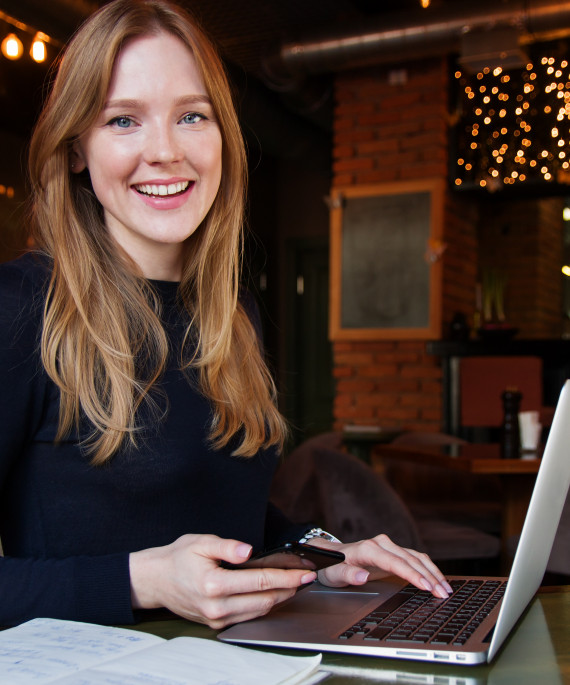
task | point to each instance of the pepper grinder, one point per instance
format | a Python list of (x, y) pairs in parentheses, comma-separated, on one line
[(510, 437)]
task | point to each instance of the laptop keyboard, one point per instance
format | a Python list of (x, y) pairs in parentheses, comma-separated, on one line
[(416, 616)]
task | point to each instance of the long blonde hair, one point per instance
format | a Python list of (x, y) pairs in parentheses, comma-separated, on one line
[(101, 322)]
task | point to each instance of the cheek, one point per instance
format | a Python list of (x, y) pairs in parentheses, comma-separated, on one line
[(216, 175), (211, 160), (109, 170), (108, 157)]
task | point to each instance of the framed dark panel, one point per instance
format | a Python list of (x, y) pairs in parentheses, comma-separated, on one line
[(385, 266)]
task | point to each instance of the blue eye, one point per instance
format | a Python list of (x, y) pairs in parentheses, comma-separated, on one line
[(192, 118), (121, 122)]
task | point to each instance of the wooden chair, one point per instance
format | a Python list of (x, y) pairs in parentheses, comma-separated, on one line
[(437, 493)]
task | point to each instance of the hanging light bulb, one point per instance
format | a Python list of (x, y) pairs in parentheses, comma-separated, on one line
[(12, 47), (425, 3), (38, 49)]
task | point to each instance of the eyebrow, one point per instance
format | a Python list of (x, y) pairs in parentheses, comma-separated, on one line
[(184, 101)]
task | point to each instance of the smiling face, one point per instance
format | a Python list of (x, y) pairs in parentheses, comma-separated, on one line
[(154, 154)]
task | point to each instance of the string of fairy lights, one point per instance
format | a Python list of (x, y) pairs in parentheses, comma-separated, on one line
[(19, 33), (514, 127), (20, 42)]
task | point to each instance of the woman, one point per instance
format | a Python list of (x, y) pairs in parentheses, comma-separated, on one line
[(140, 431)]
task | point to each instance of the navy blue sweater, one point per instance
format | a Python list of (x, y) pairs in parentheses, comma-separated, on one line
[(66, 526)]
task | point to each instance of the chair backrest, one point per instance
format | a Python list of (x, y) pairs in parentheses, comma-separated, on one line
[(319, 483), (358, 503), (482, 380)]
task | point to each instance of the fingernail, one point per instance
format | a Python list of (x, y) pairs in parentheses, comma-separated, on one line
[(362, 576), (426, 584), (448, 587), (243, 551), (308, 578), (441, 591)]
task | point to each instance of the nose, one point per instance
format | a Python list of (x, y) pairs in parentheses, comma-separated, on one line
[(162, 145)]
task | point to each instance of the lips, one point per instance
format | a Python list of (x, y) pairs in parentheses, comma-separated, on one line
[(162, 190)]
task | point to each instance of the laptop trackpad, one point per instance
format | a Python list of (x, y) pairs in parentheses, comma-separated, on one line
[(320, 601)]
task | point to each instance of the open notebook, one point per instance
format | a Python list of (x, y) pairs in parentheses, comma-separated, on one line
[(389, 618)]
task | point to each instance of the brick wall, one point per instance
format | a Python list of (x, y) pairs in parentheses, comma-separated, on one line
[(391, 384), (392, 129), (389, 132)]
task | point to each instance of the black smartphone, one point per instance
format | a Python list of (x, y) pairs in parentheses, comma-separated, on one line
[(292, 555)]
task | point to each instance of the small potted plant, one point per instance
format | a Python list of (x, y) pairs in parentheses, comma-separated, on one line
[(494, 323)]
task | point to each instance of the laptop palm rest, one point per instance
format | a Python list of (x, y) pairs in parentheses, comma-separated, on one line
[(324, 611), (322, 601)]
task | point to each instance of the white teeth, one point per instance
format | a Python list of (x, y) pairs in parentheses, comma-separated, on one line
[(162, 190)]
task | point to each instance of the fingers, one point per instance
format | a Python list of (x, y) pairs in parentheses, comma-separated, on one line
[(186, 577), (228, 596), (432, 568), (220, 611), (422, 572), (244, 581), (382, 553), (216, 548), (343, 574)]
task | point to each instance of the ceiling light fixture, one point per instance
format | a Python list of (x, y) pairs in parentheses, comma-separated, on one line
[(12, 47), (38, 50)]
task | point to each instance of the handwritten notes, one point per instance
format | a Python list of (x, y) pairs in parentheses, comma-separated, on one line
[(67, 652)]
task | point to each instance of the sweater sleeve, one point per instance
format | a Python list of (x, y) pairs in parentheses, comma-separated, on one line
[(95, 589), (91, 589)]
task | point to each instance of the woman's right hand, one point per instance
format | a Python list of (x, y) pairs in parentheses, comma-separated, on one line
[(186, 578)]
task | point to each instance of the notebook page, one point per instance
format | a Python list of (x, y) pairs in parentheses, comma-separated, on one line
[(42, 650), (196, 661)]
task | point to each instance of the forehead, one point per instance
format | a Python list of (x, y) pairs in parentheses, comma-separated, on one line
[(153, 65)]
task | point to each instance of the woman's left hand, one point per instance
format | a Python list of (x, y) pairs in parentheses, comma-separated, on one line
[(365, 559)]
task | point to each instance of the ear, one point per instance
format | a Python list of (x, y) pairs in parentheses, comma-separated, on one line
[(77, 161)]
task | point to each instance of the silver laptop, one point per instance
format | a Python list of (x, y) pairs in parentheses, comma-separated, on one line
[(390, 618)]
